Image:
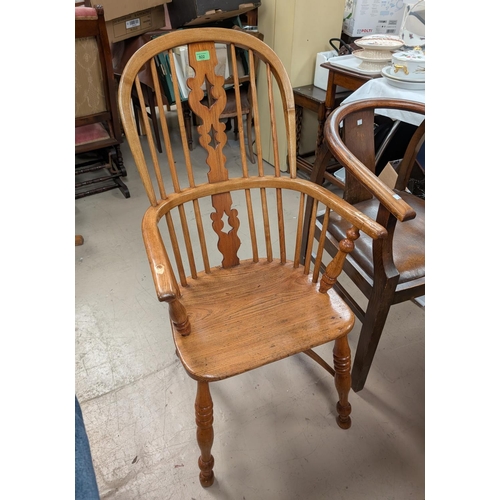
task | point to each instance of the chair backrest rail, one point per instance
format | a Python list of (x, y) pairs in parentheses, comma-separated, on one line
[(237, 93), (166, 136), (321, 246), (251, 225), (314, 247)]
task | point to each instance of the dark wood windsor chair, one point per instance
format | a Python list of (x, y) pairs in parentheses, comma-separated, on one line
[(390, 270)]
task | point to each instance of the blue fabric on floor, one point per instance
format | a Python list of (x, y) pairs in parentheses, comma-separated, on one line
[(85, 481)]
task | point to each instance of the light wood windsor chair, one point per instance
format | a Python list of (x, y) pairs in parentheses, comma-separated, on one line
[(260, 304)]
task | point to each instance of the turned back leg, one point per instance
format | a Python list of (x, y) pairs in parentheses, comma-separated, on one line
[(205, 433), (342, 366)]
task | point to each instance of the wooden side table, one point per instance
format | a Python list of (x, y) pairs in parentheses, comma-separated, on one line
[(343, 78), (314, 99), (336, 77)]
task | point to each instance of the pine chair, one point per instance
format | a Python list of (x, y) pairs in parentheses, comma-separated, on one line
[(387, 271), (248, 301)]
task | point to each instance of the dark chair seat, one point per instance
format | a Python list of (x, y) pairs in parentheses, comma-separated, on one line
[(408, 245)]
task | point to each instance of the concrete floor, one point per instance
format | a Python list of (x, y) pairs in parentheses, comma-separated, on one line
[(275, 431)]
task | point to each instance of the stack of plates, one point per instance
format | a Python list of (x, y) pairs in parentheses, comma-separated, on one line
[(376, 51), (403, 83), (373, 60)]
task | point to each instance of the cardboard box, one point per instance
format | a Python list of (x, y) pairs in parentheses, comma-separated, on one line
[(368, 17), (388, 176), (195, 12), (114, 9), (136, 23)]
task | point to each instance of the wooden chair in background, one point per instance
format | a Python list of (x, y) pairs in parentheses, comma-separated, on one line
[(238, 298), (230, 114), (97, 124), (387, 271)]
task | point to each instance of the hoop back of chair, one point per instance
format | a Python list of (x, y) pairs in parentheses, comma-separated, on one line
[(213, 139), (235, 195)]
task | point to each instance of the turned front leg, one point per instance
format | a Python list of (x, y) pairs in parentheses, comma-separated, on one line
[(205, 433), (342, 366)]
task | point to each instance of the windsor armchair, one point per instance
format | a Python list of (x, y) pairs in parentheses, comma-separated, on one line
[(386, 271), (223, 236)]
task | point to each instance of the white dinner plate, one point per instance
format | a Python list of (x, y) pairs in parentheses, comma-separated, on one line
[(389, 73), (402, 84), (373, 55), (380, 42)]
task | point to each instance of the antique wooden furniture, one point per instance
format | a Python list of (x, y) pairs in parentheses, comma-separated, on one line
[(231, 113), (387, 271), (314, 99), (154, 101), (97, 123), (342, 77), (248, 301)]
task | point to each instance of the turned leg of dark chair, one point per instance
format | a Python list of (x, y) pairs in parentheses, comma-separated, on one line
[(205, 433), (342, 366), (369, 337)]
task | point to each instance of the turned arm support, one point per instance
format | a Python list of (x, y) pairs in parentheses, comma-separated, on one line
[(164, 278), (334, 268)]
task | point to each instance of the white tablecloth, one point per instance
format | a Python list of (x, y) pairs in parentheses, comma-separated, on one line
[(379, 87)]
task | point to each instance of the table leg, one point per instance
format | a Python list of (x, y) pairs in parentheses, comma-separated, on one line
[(188, 124), (298, 125)]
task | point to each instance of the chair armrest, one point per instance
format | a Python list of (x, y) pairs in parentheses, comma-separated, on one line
[(164, 279), (347, 211)]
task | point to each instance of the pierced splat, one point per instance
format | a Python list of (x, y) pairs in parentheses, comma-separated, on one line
[(213, 136), (203, 60), (224, 218)]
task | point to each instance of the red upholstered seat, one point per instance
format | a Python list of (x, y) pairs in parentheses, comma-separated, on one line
[(90, 133)]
